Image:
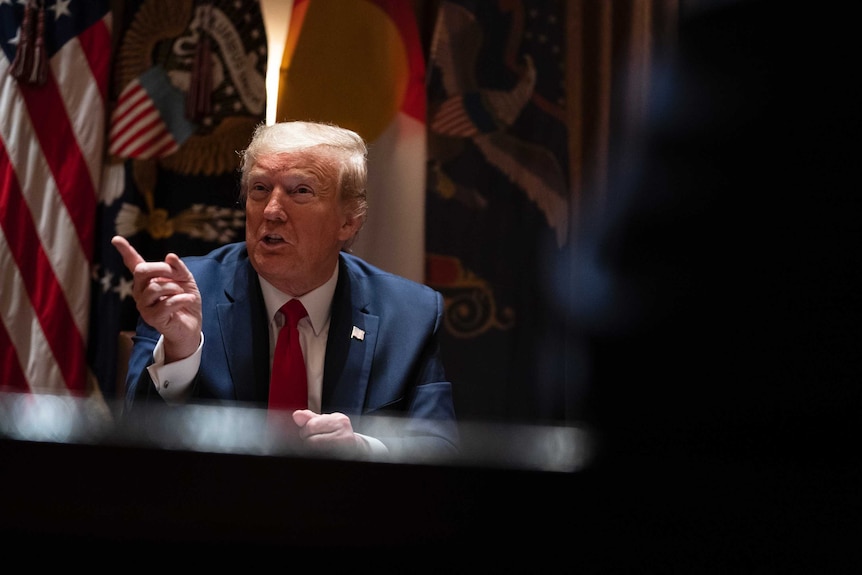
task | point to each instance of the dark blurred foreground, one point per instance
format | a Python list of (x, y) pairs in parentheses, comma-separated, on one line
[(207, 486), (212, 483)]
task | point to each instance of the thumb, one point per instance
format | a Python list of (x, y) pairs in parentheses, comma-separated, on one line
[(302, 416), (178, 266)]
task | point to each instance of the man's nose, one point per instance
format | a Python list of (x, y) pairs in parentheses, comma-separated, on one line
[(275, 204)]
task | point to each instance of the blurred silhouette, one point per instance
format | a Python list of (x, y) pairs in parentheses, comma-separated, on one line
[(717, 293), (715, 299)]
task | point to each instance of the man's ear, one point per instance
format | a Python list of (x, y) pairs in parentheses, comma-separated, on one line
[(350, 227)]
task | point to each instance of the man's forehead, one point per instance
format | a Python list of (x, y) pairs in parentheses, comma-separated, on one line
[(306, 160)]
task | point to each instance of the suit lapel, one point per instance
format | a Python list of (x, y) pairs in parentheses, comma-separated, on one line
[(242, 313), (350, 347)]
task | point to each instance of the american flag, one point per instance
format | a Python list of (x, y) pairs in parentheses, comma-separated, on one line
[(52, 139)]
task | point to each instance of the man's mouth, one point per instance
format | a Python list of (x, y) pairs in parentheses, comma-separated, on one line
[(272, 239)]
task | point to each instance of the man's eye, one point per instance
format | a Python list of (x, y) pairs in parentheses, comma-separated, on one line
[(302, 190), (257, 191)]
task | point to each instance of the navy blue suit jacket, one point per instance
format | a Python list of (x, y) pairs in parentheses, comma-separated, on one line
[(395, 370)]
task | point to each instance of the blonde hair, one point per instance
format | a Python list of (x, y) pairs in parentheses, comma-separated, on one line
[(347, 147)]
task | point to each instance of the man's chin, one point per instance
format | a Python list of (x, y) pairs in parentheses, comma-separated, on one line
[(269, 260)]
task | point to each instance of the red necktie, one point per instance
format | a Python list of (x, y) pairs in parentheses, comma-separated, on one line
[(288, 385)]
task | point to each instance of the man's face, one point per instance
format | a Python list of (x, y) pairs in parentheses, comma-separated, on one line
[(295, 222)]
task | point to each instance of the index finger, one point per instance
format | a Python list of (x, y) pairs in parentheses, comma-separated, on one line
[(131, 257)]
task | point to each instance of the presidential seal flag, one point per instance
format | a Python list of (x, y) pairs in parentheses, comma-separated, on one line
[(189, 88), (54, 72)]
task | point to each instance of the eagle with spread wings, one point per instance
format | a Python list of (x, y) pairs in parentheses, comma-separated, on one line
[(486, 115)]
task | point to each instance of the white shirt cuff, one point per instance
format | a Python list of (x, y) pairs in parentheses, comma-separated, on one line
[(173, 380), (375, 446)]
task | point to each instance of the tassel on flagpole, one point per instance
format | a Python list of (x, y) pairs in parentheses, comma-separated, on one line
[(24, 54), (31, 60), (198, 103), (40, 58)]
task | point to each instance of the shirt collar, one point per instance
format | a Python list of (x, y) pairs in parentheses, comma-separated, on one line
[(317, 302)]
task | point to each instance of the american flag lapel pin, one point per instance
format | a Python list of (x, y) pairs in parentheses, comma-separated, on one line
[(357, 333)]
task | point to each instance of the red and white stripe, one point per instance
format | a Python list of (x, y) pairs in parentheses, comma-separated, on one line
[(52, 141), (137, 129)]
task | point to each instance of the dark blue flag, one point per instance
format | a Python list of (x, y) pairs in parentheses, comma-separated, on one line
[(189, 89), (497, 199)]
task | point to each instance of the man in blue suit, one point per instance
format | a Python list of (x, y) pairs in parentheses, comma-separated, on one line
[(208, 325)]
